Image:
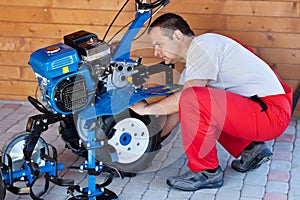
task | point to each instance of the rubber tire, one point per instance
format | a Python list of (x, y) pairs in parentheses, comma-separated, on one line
[(2, 187), (69, 133)]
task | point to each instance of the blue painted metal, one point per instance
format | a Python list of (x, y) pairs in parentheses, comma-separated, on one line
[(56, 63), (93, 191), (115, 101), (122, 53), (49, 168), (125, 139), (50, 88)]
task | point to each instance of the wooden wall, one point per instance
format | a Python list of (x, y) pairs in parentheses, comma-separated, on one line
[(271, 27)]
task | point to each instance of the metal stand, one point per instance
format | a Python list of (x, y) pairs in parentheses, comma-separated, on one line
[(93, 168), (35, 162)]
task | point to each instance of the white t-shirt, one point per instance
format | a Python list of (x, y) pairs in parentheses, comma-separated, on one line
[(229, 66)]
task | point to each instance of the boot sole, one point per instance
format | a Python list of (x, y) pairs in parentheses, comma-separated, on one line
[(266, 155), (208, 186)]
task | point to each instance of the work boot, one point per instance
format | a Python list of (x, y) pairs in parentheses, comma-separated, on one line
[(191, 181), (252, 157)]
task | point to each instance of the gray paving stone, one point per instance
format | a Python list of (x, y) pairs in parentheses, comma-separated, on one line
[(295, 181), (228, 194), (277, 187), (133, 187), (257, 180), (128, 196), (146, 177), (280, 165), (223, 164), (167, 172), (173, 161), (155, 194), (176, 152), (119, 182), (232, 184), (177, 163), (159, 184), (283, 146), (209, 191), (291, 129), (249, 198), (173, 194), (231, 173), (161, 155), (253, 191), (294, 197), (198, 196)]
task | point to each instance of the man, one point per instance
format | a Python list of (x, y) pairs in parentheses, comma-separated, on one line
[(229, 95)]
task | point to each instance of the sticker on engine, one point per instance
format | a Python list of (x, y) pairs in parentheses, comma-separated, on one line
[(65, 70)]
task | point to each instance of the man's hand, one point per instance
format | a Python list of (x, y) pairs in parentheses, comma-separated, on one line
[(139, 108)]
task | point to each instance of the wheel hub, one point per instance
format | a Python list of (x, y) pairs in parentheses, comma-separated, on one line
[(125, 139), (130, 140)]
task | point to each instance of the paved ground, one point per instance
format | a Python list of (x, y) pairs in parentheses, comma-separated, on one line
[(277, 180)]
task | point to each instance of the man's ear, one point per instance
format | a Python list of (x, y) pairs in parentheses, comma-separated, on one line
[(178, 35)]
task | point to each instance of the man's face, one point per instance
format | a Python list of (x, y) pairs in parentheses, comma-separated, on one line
[(164, 47)]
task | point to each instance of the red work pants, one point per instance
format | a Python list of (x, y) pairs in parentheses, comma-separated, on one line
[(208, 115)]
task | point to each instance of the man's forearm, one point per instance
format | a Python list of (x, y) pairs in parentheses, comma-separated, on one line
[(166, 106)]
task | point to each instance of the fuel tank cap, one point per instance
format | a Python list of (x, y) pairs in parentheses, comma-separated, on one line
[(53, 49)]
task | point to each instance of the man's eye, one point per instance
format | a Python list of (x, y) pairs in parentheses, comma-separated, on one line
[(159, 45)]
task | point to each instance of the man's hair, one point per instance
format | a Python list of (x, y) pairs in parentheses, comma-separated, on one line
[(170, 22)]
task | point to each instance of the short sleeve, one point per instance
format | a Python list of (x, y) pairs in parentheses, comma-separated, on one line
[(201, 62)]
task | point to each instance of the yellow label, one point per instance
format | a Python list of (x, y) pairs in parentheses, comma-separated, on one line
[(65, 69)]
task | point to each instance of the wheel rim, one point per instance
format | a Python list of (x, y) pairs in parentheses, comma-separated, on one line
[(15, 151), (131, 140)]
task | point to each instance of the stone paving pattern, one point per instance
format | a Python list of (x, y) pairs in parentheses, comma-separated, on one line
[(278, 179)]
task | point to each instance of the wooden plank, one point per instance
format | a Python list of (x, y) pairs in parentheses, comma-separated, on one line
[(238, 7), (292, 83), (62, 16), (250, 8), (71, 4), (242, 23), (54, 31), (280, 56), (24, 44), (266, 40), (14, 58), (291, 72), (96, 4), (13, 97), (17, 73), (17, 88)]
